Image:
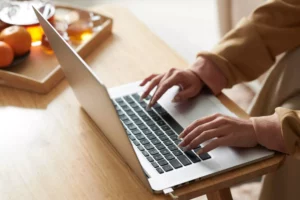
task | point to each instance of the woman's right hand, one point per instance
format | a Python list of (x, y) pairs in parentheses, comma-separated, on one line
[(188, 81)]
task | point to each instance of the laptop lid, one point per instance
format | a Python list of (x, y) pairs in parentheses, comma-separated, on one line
[(93, 96)]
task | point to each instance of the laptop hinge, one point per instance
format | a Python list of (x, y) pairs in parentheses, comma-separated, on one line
[(169, 191)]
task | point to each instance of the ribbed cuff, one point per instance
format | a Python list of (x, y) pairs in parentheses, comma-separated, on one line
[(268, 132), (209, 74)]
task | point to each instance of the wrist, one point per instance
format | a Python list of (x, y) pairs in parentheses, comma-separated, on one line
[(209, 74), (268, 132)]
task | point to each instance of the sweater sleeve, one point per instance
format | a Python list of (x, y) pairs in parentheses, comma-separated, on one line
[(250, 49), (290, 129)]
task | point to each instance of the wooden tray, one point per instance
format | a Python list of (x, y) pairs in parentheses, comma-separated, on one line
[(41, 72)]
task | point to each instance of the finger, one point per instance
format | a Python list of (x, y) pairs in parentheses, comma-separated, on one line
[(154, 82), (162, 88), (198, 131), (223, 141), (187, 93), (149, 78), (196, 123), (207, 135)]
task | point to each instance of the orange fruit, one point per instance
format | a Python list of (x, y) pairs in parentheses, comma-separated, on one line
[(6, 55), (18, 38)]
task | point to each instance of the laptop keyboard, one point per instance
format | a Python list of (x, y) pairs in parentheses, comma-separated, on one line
[(155, 133)]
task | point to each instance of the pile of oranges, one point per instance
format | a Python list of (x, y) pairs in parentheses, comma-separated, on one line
[(14, 41)]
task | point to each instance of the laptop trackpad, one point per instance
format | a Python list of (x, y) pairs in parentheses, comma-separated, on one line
[(185, 113)]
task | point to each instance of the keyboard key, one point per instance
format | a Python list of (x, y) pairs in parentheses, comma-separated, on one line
[(141, 114), (184, 160), (137, 109), (169, 156), (165, 128), (203, 156), (148, 97), (134, 117), (149, 146), (136, 143), (192, 156), (156, 118), (143, 126), (170, 133), (159, 170), (177, 141), (167, 168), (177, 152), (141, 148), (154, 164), (138, 122), (127, 122), (152, 113), (176, 127), (132, 137), (120, 113), (119, 100), (153, 151), (168, 142), (173, 147), (164, 151), (150, 123), (162, 162), (163, 137), (175, 163), (154, 128), (136, 96), (146, 118), (123, 117), (161, 123), (131, 126), (160, 146), (175, 138), (136, 131), (155, 141), (143, 104), (151, 136), (128, 99), (144, 141), (126, 108), (140, 136), (150, 159), (145, 153), (157, 157), (146, 131), (158, 132), (133, 105), (130, 112)]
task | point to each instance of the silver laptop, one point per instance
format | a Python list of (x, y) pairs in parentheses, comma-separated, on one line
[(147, 139)]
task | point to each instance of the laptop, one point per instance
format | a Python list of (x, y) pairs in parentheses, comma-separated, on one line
[(147, 139)]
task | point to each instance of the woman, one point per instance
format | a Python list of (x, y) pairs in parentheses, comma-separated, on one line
[(243, 55)]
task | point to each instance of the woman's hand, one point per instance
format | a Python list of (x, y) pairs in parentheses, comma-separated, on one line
[(187, 80), (227, 131)]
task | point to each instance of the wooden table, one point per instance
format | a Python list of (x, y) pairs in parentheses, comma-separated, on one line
[(50, 149)]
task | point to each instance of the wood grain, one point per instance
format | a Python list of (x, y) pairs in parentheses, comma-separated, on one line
[(50, 149)]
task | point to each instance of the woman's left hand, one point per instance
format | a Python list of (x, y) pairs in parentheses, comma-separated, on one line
[(227, 131)]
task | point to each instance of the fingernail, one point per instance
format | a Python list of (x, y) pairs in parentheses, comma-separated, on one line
[(176, 99), (181, 144), (187, 148), (200, 151)]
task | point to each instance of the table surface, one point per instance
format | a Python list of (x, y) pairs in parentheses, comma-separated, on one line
[(50, 148)]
